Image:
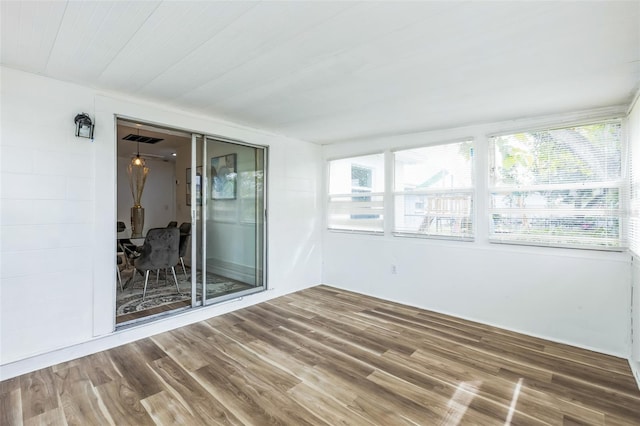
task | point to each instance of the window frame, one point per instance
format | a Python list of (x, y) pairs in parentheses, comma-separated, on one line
[(621, 184), (471, 192), (373, 194)]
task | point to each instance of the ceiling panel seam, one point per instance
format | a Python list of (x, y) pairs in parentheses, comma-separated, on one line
[(129, 41), (55, 40), (306, 30), (183, 58)]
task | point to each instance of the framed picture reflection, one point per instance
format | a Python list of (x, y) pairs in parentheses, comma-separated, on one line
[(224, 177)]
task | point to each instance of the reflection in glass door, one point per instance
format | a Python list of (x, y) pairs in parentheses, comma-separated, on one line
[(229, 219)]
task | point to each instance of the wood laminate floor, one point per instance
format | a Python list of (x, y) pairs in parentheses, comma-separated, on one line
[(324, 356)]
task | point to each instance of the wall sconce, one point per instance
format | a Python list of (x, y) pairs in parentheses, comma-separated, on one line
[(84, 126)]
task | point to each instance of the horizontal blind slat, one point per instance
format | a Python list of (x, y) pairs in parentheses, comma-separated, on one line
[(558, 187)]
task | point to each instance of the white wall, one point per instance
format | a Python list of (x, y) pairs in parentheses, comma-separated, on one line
[(577, 297), (48, 197), (58, 195), (634, 359)]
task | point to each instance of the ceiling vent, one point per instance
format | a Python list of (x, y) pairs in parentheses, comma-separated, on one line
[(142, 139)]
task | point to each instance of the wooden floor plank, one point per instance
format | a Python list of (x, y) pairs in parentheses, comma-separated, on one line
[(192, 394), (100, 368), (123, 403), (80, 403), (325, 356), (133, 367), (166, 410), (38, 393), (11, 407), (54, 417), (10, 385), (324, 406), (186, 351)]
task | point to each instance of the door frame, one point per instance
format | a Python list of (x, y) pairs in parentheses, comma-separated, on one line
[(193, 214)]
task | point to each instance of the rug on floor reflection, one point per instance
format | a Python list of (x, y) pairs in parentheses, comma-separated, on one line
[(164, 292)]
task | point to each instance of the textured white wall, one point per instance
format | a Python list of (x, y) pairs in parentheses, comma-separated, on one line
[(47, 195), (634, 359), (58, 194), (578, 297)]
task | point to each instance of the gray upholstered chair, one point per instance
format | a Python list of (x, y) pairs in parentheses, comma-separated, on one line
[(160, 251), (185, 233), (120, 255), (124, 244), (119, 262), (172, 224)]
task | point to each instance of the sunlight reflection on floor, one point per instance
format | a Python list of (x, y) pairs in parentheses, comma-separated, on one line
[(459, 402), (514, 401)]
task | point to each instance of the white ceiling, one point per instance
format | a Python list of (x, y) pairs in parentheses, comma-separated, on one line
[(331, 71)]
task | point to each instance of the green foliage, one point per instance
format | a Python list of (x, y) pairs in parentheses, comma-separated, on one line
[(572, 164), (579, 154)]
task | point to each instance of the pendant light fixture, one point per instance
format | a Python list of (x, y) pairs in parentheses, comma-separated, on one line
[(137, 161), (138, 172)]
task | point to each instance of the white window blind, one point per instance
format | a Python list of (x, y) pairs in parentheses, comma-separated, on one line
[(433, 191), (634, 150), (356, 194), (558, 187)]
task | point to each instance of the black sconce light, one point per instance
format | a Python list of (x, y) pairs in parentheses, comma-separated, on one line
[(84, 126)]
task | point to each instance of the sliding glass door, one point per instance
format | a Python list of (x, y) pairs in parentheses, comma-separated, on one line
[(213, 190), (228, 207)]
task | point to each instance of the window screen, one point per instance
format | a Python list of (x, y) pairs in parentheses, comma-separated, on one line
[(560, 187), (433, 191), (356, 194)]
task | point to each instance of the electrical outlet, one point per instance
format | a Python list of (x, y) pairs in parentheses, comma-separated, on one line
[(394, 269)]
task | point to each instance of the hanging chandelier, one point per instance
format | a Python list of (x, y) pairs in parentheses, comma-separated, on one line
[(138, 172)]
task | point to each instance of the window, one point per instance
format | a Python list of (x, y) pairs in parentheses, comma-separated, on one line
[(349, 179), (433, 193), (559, 187), (634, 174), (362, 181)]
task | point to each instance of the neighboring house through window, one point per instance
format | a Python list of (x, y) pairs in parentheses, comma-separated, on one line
[(349, 178), (434, 189), (362, 182)]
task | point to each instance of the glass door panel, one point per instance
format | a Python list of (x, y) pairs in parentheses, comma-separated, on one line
[(166, 192), (230, 242)]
